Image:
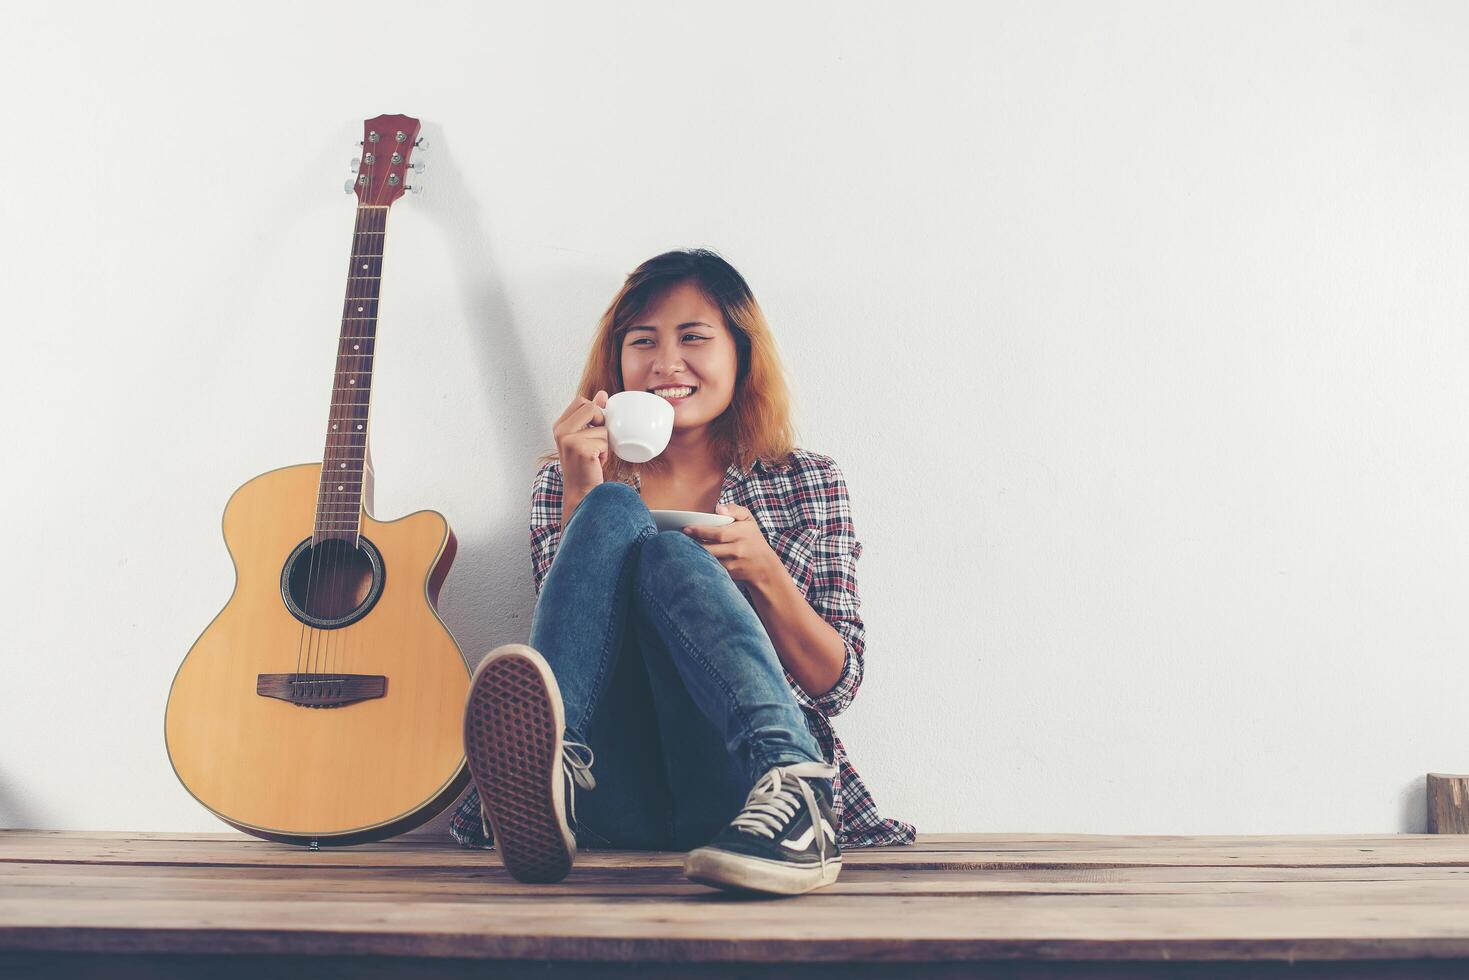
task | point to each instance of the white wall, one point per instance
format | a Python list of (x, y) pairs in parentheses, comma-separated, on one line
[(1138, 328)]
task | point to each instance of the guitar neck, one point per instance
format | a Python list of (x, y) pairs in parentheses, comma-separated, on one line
[(344, 463)]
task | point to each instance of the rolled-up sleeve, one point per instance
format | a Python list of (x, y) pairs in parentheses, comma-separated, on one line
[(833, 589), (545, 520)]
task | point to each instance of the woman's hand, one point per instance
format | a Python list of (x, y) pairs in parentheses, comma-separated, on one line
[(581, 442), (740, 547)]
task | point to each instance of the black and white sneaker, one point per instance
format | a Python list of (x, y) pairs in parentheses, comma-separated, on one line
[(783, 842), (513, 725)]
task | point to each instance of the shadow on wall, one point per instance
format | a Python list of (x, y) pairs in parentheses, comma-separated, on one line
[(1413, 807), (14, 814), (482, 606)]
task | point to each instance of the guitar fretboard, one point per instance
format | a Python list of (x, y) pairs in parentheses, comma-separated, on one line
[(339, 496)]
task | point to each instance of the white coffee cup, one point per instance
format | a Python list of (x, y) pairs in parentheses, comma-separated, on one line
[(639, 424)]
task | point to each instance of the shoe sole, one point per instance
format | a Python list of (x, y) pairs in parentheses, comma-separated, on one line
[(722, 869), (512, 741)]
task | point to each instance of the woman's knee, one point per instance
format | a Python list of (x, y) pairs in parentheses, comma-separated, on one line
[(613, 493), (664, 551), (670, 546), (616, 504)]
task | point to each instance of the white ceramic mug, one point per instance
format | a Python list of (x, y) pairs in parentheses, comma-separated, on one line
[(639, 424)]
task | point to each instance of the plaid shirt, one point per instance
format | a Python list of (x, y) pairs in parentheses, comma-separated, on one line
[(803, 510)]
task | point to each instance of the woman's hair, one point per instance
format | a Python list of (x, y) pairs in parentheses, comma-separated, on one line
[(757, 423)]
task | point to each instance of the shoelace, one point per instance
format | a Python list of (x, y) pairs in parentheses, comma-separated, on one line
[(578, 772), (773, 802)]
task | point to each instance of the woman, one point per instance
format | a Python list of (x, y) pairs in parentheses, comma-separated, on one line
[(697, 668)]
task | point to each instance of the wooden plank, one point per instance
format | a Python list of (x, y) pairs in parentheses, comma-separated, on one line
[(1036, 897), (101, 966), (914, 928), (979, 851), (864, 902), (1227, 884), (925, 841)]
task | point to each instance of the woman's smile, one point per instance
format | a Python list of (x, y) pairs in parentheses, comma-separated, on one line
[(683, 394)]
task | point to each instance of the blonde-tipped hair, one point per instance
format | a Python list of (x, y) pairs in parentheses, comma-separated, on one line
[(757, 423)]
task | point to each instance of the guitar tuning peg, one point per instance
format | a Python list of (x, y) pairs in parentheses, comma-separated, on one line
[(421, 143), (355, 164), (351, 183), (415, 188), (417, 166)]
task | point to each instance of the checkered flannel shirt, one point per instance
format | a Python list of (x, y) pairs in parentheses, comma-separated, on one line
[(802, 507)]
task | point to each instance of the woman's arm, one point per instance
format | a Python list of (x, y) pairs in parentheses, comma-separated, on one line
[(801, 628), (545, 520), (811, 650)]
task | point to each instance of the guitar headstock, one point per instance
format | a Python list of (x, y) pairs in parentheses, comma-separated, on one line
[(380, 174)]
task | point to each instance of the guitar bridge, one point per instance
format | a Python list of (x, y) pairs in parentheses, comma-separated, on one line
[(321, 690)]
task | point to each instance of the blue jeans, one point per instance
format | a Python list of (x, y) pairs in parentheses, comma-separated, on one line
[(666, 673)]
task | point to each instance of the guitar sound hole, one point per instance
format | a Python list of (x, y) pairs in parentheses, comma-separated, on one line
[(332, 584)]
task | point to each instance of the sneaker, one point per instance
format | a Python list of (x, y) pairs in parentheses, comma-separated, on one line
[(513, 724), (783, 842)]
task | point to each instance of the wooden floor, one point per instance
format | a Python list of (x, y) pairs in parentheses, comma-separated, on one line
[(1014, 905)]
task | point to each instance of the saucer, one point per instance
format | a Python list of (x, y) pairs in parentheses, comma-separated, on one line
[(677, 520)]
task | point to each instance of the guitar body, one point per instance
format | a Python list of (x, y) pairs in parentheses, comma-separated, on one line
[(340, 732)]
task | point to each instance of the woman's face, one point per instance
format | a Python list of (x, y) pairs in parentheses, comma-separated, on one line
[(682, 340)]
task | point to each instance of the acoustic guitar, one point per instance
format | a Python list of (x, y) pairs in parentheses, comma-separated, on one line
[(324, 703)]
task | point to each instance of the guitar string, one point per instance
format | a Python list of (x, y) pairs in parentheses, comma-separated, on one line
[(320, 637), (311, 635), (381, 238), (345, 361), (377, 227), (307, 605), (337, 563), (338, 662), (324, 649), (380, 216)]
